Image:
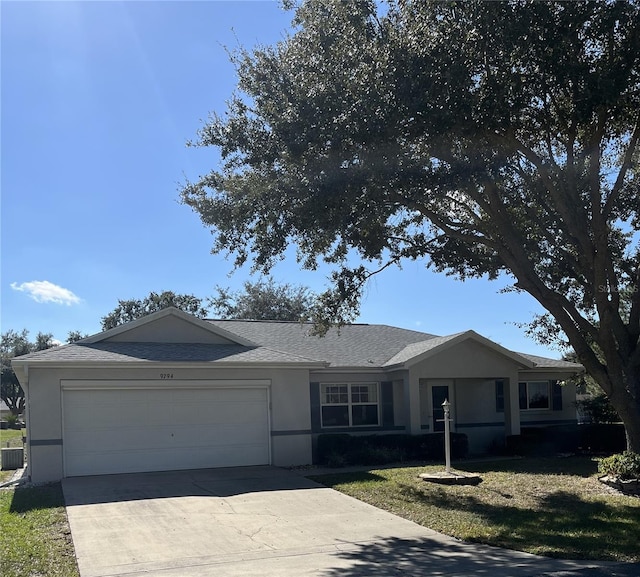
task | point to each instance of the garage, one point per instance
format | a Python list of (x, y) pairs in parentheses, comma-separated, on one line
[(141, 426)]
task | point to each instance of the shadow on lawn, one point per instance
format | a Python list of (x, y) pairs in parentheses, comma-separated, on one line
[(563, 524), (40, 497)]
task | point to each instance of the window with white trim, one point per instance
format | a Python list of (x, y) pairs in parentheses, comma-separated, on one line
[(349, 405), (534, 395)]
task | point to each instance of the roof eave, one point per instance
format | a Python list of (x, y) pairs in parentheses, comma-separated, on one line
[(577, 370), (141, 363)]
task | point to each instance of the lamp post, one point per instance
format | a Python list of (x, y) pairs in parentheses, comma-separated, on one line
[(447, 443)]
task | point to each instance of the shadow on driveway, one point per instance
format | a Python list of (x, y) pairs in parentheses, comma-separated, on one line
[(193, 483), (407, 557)]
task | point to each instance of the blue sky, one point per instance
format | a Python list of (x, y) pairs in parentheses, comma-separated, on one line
[(98, 101)]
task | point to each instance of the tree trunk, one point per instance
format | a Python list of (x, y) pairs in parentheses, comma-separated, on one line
[(630, 415), (625, 398)]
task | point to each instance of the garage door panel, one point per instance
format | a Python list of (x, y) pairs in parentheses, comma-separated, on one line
[(126, 430)]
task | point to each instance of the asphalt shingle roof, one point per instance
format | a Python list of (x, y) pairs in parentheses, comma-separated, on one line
[(357, 345), (163, 352), (415, 349), (543, 362)]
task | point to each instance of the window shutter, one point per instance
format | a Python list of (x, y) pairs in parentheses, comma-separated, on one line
[(499, 396), (387, 403), (314, 395), (523, 396), (556, 396)]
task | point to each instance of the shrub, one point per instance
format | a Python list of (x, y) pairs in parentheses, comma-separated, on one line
[(623, 466), (604, 438), (344, 449), (598, 409), (13, 420)]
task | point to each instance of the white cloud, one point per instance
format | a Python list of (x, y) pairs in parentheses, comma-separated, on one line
[(43, 291)]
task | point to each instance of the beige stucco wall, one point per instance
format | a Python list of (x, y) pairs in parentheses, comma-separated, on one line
[(289, 409), (470, 369), (169, 330), (348, 377), (468, 359)]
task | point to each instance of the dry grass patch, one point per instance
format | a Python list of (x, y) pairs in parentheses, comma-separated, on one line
[(551, 507)]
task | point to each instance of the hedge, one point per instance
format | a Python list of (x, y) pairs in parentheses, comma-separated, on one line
[(339, 450), (598, 438)]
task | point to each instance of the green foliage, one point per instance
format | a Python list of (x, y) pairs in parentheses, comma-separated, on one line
[(264, 300), (598, 409), (624, 466), (130, 310), (336, 450), (75, 336), (14, 344), (13, 421), (481, 138)]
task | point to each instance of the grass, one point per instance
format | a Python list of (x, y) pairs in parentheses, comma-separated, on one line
[(551, 507), (10, 438), (35, 539)]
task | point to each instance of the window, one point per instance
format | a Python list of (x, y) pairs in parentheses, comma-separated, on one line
[(534, 395), (349, 405)]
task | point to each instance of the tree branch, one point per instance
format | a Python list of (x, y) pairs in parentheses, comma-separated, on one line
[(622, 173)]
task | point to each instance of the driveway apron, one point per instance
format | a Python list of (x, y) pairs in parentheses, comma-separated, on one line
[(267, 522)]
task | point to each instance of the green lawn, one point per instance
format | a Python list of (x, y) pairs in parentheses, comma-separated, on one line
[(551, 507), (34, 533), (10, 438)]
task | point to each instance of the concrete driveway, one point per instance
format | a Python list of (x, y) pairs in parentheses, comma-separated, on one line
[(264, 521)]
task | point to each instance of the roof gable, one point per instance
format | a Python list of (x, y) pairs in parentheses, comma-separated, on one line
[(169, 325), (418, 352)]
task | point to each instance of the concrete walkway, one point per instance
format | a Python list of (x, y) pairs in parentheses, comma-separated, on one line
[(269, 522)]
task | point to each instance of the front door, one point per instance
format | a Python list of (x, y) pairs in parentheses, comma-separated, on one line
[(439, 393)]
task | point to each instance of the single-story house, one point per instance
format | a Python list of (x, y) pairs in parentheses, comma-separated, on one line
[(172, 391)]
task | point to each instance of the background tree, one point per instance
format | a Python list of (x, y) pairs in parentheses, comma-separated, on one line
[(129, 310), (484, 138), (264, 300), (75, 336), (14, 344)]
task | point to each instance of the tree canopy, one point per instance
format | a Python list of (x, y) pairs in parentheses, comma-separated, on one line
[(132, 309), (14, 344), (264, 300), (479, 137)]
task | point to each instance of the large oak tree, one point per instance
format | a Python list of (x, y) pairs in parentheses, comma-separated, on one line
[(264, 299), (483, 138)]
